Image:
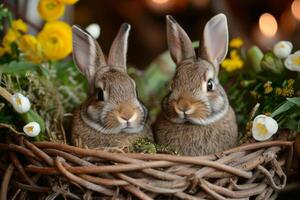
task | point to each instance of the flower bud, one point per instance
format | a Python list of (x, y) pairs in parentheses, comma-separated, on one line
[(32, 129), (20, 103), (271, 63), (282, 49), (292, 62), (263, 127)]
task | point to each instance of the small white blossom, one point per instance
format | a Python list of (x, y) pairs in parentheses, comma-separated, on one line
[(292, 62), (20, 103), (32, 129), (282, 49), (263, 127)]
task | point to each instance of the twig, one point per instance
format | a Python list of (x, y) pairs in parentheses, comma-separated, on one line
[(20, 168), (5, 182), (104, 181), (32, 188), (80, 181), (148, 186), (39, 153), (11, 128), (269, 177), (236, 194), (137, 192)]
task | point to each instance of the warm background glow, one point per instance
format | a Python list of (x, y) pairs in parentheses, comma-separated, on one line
[(296, 9), (268, 24), (160, 1)]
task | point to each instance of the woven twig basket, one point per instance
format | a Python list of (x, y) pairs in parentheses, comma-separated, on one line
[(46, 170)]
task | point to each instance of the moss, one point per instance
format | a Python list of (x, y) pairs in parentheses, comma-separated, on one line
[(145, 145)]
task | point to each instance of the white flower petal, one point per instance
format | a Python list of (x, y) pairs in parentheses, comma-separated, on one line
[(282, 49), (292, 62), (260, 137), (271, 125), (20, 103), (32, 129), (259, 119), (263, 127)]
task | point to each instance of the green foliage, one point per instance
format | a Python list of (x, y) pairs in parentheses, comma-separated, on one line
[(4, 14), (143, 145), (17, 67), (54, 89)]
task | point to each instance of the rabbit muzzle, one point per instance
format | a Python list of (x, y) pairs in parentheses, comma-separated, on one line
[(187, 109)]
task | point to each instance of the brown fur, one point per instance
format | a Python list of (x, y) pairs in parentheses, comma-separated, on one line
[(84, 136), (112, 116), (195, 140), (196, 117)]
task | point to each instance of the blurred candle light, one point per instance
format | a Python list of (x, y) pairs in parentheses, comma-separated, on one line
[(166, 6), (268, 25), (160, 1), (296, 9)]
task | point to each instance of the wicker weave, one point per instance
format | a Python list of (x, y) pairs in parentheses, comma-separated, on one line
[(47, 169)]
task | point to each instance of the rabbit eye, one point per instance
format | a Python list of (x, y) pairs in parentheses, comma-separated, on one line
[(100, 95), (210, 85)]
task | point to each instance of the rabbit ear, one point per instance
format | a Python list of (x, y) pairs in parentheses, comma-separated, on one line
[(179, 43), (87, 53), (215, 38), (118, 50)]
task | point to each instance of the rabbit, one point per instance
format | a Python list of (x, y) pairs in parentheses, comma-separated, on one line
[(112, 116), (196, 118)]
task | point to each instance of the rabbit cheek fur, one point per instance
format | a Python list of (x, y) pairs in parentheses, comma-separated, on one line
[(86, 136), (195, 140), (196, 117), (112, 116)]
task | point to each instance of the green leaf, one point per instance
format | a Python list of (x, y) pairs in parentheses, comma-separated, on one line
[(255, 55), (284, 107), (272, 64), (295, 100), (17, 67), (292, 124)]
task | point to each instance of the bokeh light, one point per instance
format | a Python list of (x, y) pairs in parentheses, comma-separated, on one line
[(160, 1), (296, 9), (268, 24)]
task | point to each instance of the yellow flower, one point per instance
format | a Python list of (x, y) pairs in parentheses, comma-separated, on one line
[(19, 25), (11, 36), (287, 92), (236, 43), (233, 63), (56, 40), (31, 48), (69, 1), (51, 10), (278, 91), (3, 50), (254, 94), (268, 87), (290, 83)]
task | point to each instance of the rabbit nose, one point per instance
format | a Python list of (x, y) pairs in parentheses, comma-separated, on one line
[(183, 106), (127, 115)]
